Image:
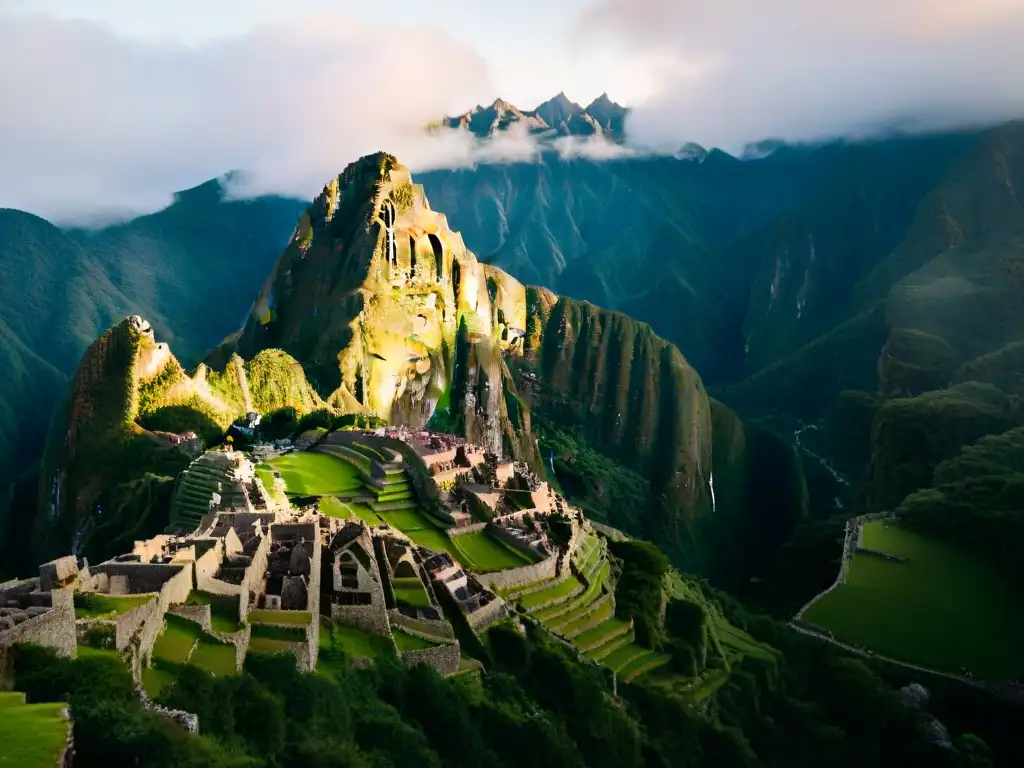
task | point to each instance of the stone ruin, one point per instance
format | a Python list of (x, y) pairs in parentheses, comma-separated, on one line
[(290, 567), (464, 588), (356, 592)]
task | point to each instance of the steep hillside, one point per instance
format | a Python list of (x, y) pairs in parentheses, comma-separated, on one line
[(191, 269), (131, 421)]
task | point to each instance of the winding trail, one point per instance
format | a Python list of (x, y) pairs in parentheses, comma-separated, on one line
[(836, 475)]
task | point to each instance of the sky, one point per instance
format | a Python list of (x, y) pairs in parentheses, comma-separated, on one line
[(110, 105)]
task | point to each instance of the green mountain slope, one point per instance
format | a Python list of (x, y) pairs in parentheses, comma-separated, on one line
[(192, 267)]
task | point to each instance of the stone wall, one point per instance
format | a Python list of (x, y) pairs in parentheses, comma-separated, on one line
[(200, 614), (254, 575), (524, 574), (474, 528), (207, 564), (313, 603), (481, 619), (499, 532), (444, 659), (144, 577), (54, 629), (127, 624), (429, 629), (369, 618)]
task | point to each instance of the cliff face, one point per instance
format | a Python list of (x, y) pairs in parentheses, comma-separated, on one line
[(388, 311), (115, 445), (381, 302)]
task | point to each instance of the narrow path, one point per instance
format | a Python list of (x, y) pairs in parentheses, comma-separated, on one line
[(820, 459)]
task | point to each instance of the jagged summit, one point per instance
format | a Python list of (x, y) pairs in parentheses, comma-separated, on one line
[(558, 115)]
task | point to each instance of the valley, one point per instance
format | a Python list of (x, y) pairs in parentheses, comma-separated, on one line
[(529, 493)]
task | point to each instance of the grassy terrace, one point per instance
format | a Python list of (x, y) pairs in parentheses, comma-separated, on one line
[(560, 590), (31, 735), (334, 507), (482, 552), (216, 658), (95, 606), (311, 473), (223, 610), (604, 632), (408, 642), (176, 641), (356, 642), (410, 590), (942, 608), (289, 618), (591, 593)]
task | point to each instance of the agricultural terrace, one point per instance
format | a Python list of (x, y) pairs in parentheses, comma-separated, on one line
[(483, 553), (183, 641), (942, 608), (580, 608), (311, 473), (97, 606), (31, 735)]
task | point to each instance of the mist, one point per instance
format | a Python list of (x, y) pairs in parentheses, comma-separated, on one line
[(728, 73), (98, 126)]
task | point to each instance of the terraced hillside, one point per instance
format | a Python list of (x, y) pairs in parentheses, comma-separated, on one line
[(580, 608)]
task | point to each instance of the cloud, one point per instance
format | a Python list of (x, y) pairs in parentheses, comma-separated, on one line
[(736, 71), (96, 124)]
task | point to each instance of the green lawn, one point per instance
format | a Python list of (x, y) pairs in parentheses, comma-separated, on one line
[(311, 473), (410, 590), (483, 553), (406, 520), (432, 538), (95, 606), (176, 640), (356, 642), (290, 618), (600, 634), (32, 735), (266, 474), (408, 642), (575, 622), (333, 507), (223, 610), (284, 634), (942, 609), (216, 658), (557, 591)]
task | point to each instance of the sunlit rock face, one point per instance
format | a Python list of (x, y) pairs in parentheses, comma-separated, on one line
[(371, 291)]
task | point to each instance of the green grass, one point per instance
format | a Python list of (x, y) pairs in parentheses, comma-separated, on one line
[(333, 507), (483, 553), (266, 473), (290, 618), (641, 664), (356, 642), (557, 591), (578, 620), (586, 597), (269, 645), (409, 590), (223, 610), (432, 538), (408, 642), (284, 634), (11, 699), (371, 453), (32, 735), (176, 640), (311, 473), (155, 679), (85, 652), (406, 520), (618, 659), (94, 606), (942, 609), (596, 636), (216, 658)]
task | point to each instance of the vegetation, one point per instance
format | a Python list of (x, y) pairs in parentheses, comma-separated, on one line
[(483, 553), (97, 606), (309, 473), (942, 608), (31, 735)]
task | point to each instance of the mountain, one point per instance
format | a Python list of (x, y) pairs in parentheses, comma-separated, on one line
[(191, 269), (558, 116)]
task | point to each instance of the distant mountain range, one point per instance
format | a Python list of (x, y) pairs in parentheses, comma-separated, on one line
[(558, 116)]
